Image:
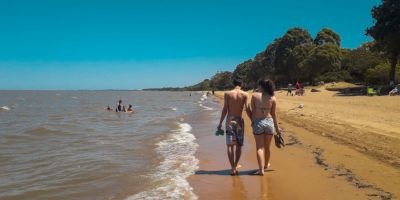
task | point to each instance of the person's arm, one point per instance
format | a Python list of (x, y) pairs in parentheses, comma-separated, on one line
[(224, 111), (248, 110), (273, 113), (253, 108)]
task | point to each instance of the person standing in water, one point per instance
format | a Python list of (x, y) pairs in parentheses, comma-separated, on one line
[(264, 122), (130, 108), (120, 107), (234, 102)]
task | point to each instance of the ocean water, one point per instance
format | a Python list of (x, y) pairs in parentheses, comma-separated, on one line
[(64, 145)]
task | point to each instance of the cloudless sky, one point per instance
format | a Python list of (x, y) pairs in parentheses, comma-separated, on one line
[(122, 44)]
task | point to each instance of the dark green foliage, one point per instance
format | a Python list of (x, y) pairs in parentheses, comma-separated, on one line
[(322, 59), (242, 72), (202, 86), (221, 81), (359, 60), (296, 56), (335, 76), (327, 36), (386, 31), (379, 74), (283, 65)]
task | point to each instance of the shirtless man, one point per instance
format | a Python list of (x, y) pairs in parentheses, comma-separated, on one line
[(234, 102), (264, 122)]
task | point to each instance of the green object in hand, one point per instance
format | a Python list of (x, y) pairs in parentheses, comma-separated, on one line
[(219, 132)]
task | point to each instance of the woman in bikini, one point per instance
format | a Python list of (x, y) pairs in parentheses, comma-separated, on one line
[(264, 122)]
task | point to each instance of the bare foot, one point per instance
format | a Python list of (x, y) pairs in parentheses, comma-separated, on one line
[(234, 172), (257, 173), (267, 166)]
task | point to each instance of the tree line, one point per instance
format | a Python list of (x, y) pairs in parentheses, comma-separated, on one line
[(297, 56)]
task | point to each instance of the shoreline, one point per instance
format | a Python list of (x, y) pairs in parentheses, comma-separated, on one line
[(311, 166)]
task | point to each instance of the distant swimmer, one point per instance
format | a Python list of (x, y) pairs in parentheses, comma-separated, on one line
[(130, 109), (108, 108), (120, 107)]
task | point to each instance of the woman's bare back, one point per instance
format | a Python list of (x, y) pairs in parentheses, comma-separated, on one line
[(261, 105)]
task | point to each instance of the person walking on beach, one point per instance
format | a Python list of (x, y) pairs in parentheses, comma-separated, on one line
[(289, 89), (264, 122), (234, 102)]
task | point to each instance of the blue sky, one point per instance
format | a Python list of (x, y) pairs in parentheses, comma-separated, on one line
[(88, 44)]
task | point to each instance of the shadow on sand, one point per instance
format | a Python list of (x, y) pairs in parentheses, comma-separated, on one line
[(354, 91), (227, 172)]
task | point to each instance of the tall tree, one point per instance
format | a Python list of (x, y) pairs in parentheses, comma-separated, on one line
[(326, 35), (322, 59), (296, 59), (292, 38), (386, 31), (242, 72), (221, 81), (358, 61)]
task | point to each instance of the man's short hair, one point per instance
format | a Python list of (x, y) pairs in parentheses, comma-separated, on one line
[(237, 82)]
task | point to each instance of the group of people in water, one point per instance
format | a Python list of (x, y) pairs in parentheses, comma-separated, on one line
[(264, 123), (121, 108)]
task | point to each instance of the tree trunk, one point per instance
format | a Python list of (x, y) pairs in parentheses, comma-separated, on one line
[(393, 63)]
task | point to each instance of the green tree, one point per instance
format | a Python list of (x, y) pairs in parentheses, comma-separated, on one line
[(202, 86), (325, 36), (358, 61), (292, 38), (386, 31), (378, 74), (221, 81), (297, 57), (242, 71), (322, 59)]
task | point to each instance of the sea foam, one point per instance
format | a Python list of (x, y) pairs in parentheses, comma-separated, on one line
[(179, 162), (4, 108)]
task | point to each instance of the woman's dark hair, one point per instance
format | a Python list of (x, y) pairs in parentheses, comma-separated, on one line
[(268, 87)]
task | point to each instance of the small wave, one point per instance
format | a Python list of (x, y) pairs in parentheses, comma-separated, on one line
[(75, 97), (44, 131), (4, 108), (179, 163), (169, 109), (205, 107)]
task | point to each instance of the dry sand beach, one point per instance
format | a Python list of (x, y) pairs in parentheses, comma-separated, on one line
[(338, 147)]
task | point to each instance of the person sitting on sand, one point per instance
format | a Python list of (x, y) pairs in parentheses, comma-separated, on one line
[(120, 107), (130, 108), (234, 102), (395, 91), (264, 122)]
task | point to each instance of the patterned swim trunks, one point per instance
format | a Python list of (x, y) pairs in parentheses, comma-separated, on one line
[(234, 131)]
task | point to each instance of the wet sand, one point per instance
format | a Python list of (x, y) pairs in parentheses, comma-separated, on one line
[(337, 148)]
